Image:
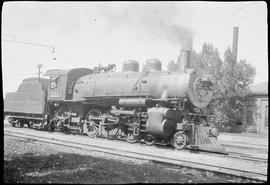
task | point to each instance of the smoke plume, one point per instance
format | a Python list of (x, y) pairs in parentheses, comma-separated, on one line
[(151, 21)]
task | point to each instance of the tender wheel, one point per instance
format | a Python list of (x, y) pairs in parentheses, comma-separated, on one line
[(21, 124), (179, 140), (149, 140), (29, 125), (91, 127)]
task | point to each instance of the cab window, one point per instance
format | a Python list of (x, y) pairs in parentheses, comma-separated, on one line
[(54, 82)]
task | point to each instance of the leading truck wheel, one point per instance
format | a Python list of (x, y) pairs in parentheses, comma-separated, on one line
[(179, 140)]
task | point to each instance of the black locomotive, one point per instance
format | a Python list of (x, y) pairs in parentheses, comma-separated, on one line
[(151, 106)]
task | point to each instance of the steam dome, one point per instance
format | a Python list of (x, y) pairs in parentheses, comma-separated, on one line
[(130, 66), (153, 64)]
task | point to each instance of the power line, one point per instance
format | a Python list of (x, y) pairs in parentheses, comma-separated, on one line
[(39, 66), (241, 9), (33, 44), (7, 76), (30, 43)]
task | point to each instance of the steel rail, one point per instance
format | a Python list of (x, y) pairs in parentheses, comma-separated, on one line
[(132, 154), (246, 157), (230, 154), (245, 143)]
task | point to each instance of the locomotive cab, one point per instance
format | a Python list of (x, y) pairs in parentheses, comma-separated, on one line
[(62, 82)]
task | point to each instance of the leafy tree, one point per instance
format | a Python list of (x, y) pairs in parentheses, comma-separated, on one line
[(232, 89), (208, 61), (231, 82)]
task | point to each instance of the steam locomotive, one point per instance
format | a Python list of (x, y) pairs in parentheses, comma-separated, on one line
[(151, 106)]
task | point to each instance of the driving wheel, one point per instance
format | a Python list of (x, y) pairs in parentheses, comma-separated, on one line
[(91, 124)]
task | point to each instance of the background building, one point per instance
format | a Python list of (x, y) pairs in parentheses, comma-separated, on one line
[(256, 109)]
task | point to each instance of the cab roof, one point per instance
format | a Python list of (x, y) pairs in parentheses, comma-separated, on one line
[(60, 72)]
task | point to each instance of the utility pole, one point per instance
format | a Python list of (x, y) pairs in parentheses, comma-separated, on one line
[(235, 44), (39, 72)]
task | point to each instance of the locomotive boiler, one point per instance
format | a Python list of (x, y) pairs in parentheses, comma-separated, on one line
[(151, 106)]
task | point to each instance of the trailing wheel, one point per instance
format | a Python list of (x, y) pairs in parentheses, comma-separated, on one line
[(52, 126), (133, 134), (179, 140), (91, 124), (132, 138)]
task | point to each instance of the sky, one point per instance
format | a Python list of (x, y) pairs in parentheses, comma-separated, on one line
[(85, 34)]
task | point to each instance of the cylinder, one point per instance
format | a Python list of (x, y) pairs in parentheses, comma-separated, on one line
[(130, 66)]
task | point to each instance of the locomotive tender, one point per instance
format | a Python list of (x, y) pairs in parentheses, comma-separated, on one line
[(151, 106)]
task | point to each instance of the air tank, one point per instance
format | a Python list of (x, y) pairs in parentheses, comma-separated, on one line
[(130, 66), (153, 65), (161, 121)]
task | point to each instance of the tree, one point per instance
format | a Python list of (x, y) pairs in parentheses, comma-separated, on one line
[(207, 61), (231, 82), (232, 89)]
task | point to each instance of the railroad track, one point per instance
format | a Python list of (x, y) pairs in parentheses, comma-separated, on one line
[(231, 154), (244, 172), (247, 157), (236, 155)]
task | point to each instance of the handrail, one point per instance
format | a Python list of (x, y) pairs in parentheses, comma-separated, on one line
[(143, 73)]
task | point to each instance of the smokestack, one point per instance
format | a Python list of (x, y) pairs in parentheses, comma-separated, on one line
[(235, 44), (184, 57)]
